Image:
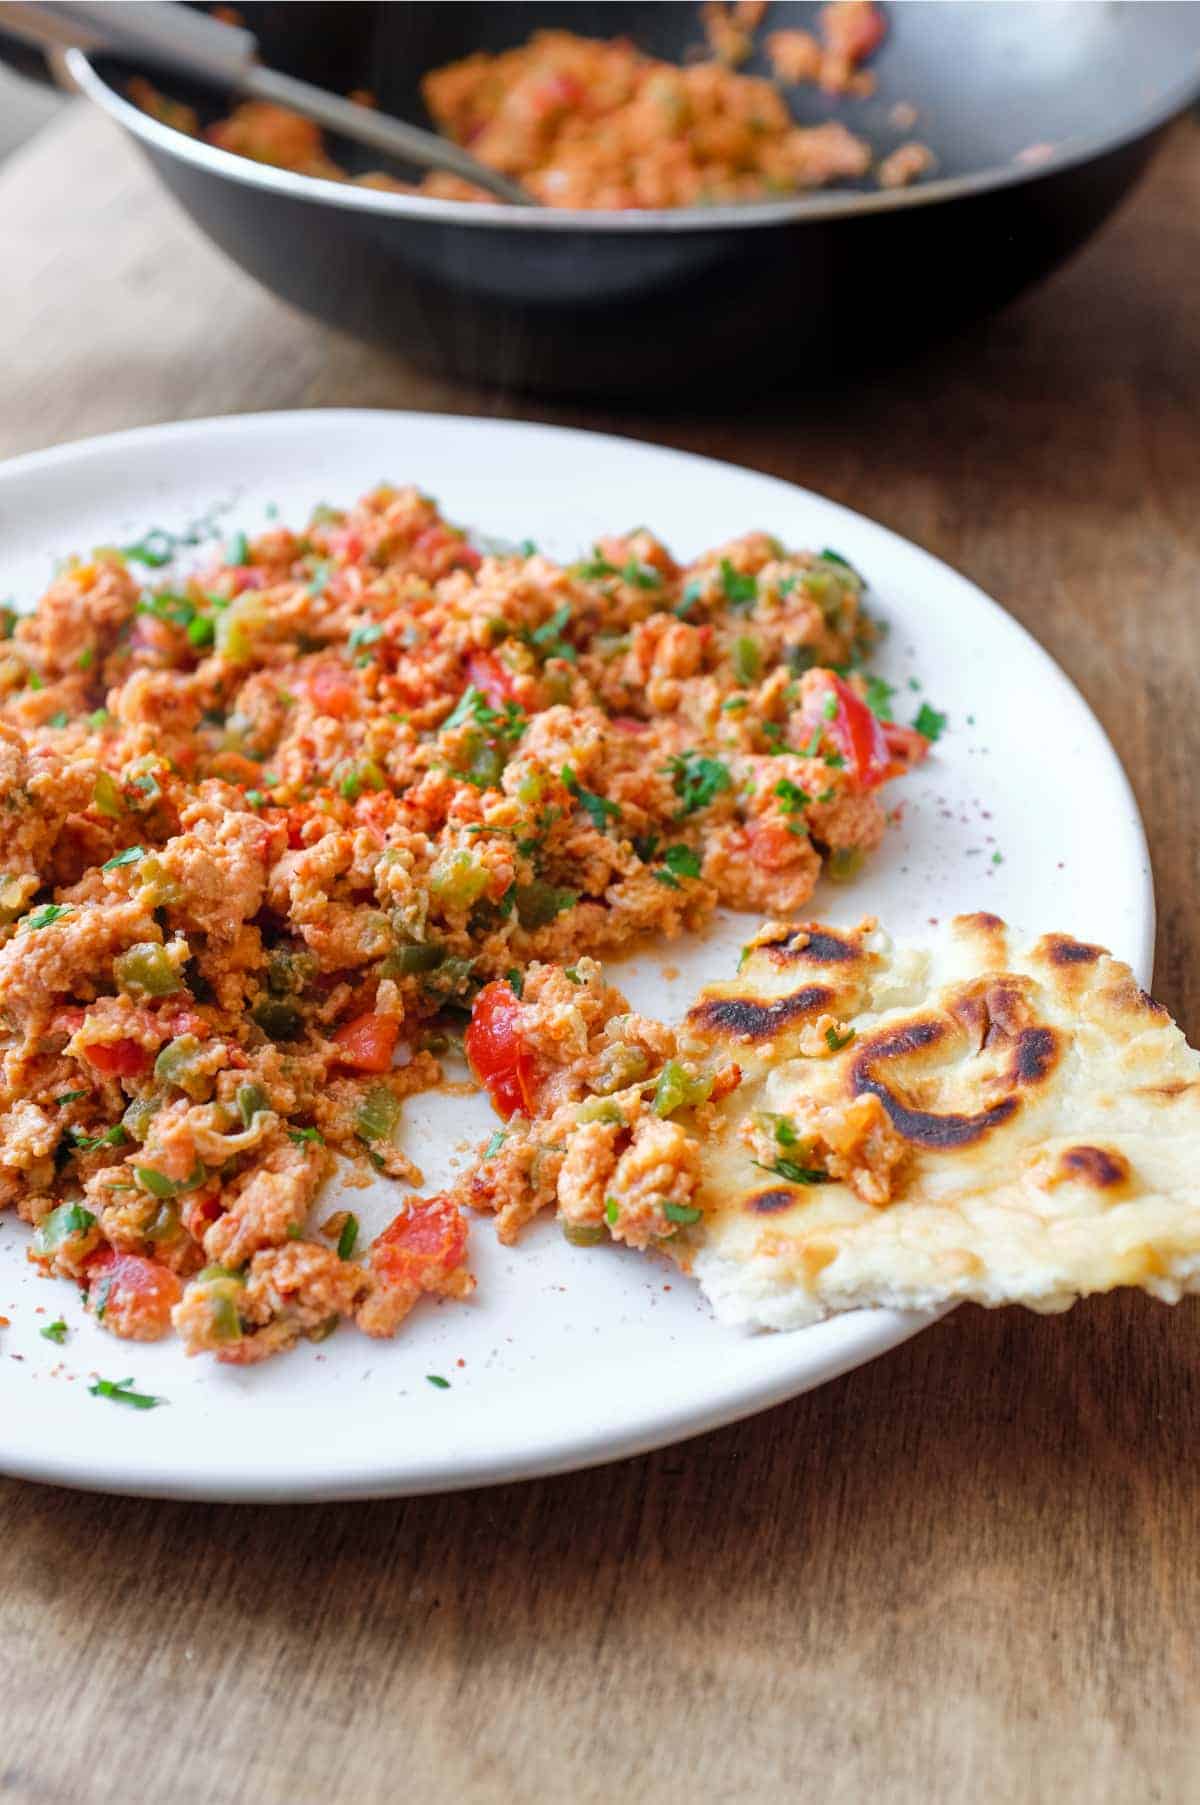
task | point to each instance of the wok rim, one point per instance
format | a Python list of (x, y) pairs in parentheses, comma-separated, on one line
[(817, 206)]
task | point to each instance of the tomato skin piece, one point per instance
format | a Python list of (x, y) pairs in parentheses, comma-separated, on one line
[(491, 678), (854, 730), (443, 550), (138, 1297), (421, 1247), (906, 745), (497, 1055), (117, 1058), (771, 844), (332, 689), (368, 1042)]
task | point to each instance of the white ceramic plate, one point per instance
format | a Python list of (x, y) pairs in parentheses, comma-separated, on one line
[(565, 1356)]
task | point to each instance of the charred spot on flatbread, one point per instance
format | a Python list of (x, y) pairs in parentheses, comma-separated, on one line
[(1035, 1052), (1060, 949), (769, 1203), (815, 945), (1103, 1168), (745, 1018)]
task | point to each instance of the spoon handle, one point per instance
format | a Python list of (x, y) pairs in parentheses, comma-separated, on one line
[(158, 31)]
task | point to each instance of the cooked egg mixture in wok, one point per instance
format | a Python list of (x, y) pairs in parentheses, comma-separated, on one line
[(267, 826)]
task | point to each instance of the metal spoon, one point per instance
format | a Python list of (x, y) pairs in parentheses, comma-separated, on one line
[(195, 44)]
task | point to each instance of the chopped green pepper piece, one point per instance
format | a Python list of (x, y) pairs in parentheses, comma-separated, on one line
[(407, 961), (746, 659), (251, 1098), (146, 969), (277, 1018), (68, 1220), (538, 903), (600, 1109), (584, 1234), (348, 1239), (106, 795), (378, 1114), (676, 1089), (845, 862), (681, 1212), (159, 1185)]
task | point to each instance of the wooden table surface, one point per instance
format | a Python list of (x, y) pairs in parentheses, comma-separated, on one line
[(967, 1572)]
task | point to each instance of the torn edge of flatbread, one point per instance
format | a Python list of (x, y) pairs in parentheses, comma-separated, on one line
[(849, 1123), (970, 1123)]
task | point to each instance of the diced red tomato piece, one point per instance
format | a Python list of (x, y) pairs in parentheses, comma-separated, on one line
[(499, 1058), (771, 844), (117, 1058), (346, 543), (493, 679), (249, 576), (368, 1042), (852, 727), (422, 1247), (906, 745), (332, 689), (853, 28), (555, 94), (441, 549), (131, 1296), (627, 723)]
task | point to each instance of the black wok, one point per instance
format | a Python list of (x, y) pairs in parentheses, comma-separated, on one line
[(640, 303)]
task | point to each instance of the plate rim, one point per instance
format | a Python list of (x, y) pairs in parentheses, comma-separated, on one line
[(863, 1335)]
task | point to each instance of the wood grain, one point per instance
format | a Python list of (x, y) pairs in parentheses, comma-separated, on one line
[(968, 1572)]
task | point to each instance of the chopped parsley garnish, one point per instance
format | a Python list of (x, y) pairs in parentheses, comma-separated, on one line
[(59, 719), (70, 1097), (697, 780), (318, 580), (879, 698), (680, 861), (930, 722), (42, 918), (365, 636), (112, 1137), (692, 592), (611, 1210), (601, 810), (119, 1390), (792, 799), (739, 591), (130, 856), (495, 1143), (238, 550), (437, 1379), (795, 1174), (832, 557), (592, 568), (997, 858), (473, 706), (835, 1041), (641, 575), (548, 637), (528, 548), (515, 982), (55, 1332), (155, 548), (306, 1137), (681, 1212), (348, 1239)]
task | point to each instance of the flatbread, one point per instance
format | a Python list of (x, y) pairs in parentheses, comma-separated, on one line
[(1004, 1128)]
